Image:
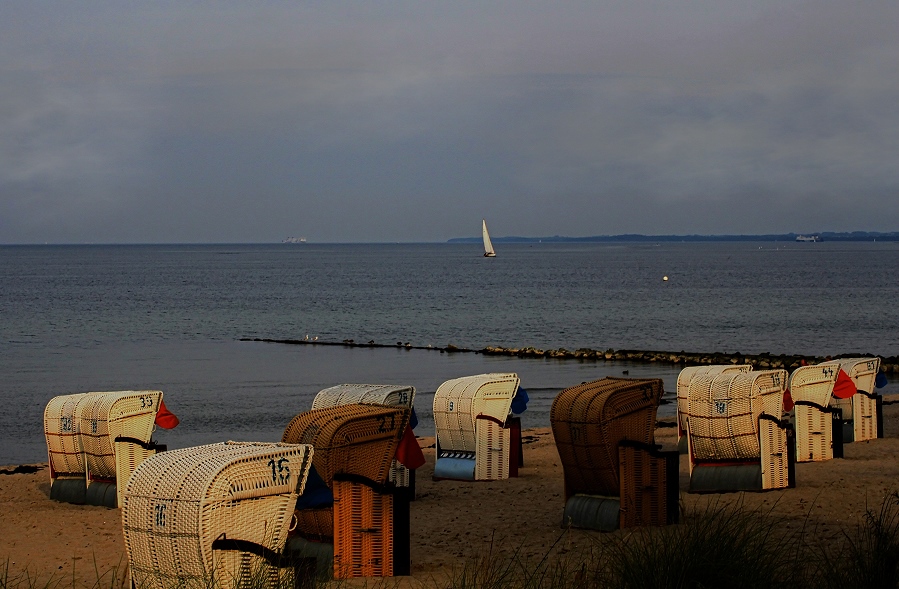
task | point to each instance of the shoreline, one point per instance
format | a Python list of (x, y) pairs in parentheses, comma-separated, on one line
[(765, 360)]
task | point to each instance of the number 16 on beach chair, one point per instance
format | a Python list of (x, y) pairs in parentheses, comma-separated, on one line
[(736, 435), (214, 516), (95, 441), (854, 394), (478, 437), (615, 475)]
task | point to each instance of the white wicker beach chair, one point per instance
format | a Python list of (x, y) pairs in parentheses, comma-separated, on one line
[(98, 438), (684, 379), (474, 426), (814, 420), (736, 435), (213, 516), (861, 418), (373, 394)]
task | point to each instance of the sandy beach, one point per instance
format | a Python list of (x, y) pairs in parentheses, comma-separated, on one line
[(453, 521)]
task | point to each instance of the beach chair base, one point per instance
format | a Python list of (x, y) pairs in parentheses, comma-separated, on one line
[(711, 478), (102, 494), (454, 466), (67, 490), (592, 512), (649, 485)]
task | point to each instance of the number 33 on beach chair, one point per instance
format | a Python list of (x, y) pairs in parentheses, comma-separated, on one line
[(96, 440)]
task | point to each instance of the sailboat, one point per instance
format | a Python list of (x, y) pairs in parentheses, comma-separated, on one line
[(488, 247)]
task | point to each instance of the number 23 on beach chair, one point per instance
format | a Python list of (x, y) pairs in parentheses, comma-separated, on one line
[(478, 437)]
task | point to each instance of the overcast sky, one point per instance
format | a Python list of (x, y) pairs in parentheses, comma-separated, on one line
[(177, 121)]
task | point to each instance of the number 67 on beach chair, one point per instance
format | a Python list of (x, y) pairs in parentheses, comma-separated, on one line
[(615, 475), (736, 435), (478, 437)]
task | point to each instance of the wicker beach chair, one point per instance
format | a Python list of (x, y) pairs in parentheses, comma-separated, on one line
[(862, 411), (374, 394), (615, 476), (94, 442), (214, 516), (736, 434), (818, 425), (368, 523), (683, 388), (478, 438)]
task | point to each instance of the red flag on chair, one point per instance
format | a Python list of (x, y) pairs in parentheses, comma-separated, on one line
[(409, 453), (844, 387), (165, 418)]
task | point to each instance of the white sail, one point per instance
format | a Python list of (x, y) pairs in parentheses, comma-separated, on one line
[(488, 247)]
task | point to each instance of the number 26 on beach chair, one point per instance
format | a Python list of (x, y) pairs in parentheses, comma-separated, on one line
[(615, 475), (96, 440), (478, 435), (737, 437)]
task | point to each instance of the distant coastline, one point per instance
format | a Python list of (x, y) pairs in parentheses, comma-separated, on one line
[(634, 237)]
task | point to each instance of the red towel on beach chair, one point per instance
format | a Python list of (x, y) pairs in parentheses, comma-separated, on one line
[(409, 453), (844, 387), (165, 418)]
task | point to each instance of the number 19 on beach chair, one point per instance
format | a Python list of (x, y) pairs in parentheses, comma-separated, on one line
[(214, 516), (376, 394), (862, 408), (478, 437), (96, 440), (736, 435), (356, 514), (615, 476)]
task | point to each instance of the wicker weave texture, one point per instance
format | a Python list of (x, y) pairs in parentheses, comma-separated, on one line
[(644, 480), (458, 402), (363, 531), (813, 384), (814, 434), (61, 431), (177, 503), (371, 394), (491, 457), (105, 416), (687, 375), (724, 409), (351, 439), (861, 410), (863, 371), (774, 455), (591, 419)]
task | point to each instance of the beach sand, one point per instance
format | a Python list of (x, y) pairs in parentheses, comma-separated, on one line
[(454, 521)]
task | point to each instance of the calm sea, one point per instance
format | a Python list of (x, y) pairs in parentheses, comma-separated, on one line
[(170, 317)]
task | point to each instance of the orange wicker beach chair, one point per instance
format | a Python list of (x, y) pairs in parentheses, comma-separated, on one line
[(478, 437), (736, 435), (367, 526), (683, 388), (818, 425), (862, 411), (214, 516), (375, 394), (96, 440), (615, 476)]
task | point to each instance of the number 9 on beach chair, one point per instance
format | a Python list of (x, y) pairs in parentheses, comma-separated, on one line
[(96, 440), (368, 522), (818, 426), (478, 438), (683, 388), (862, 408), (615, 476), (736, 436), (214, 516), (375, 394)]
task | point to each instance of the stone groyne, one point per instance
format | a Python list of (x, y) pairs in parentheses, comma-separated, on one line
[(889, 364)]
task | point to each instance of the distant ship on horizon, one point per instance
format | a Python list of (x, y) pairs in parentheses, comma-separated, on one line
[(294, 240), (808, 238)]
